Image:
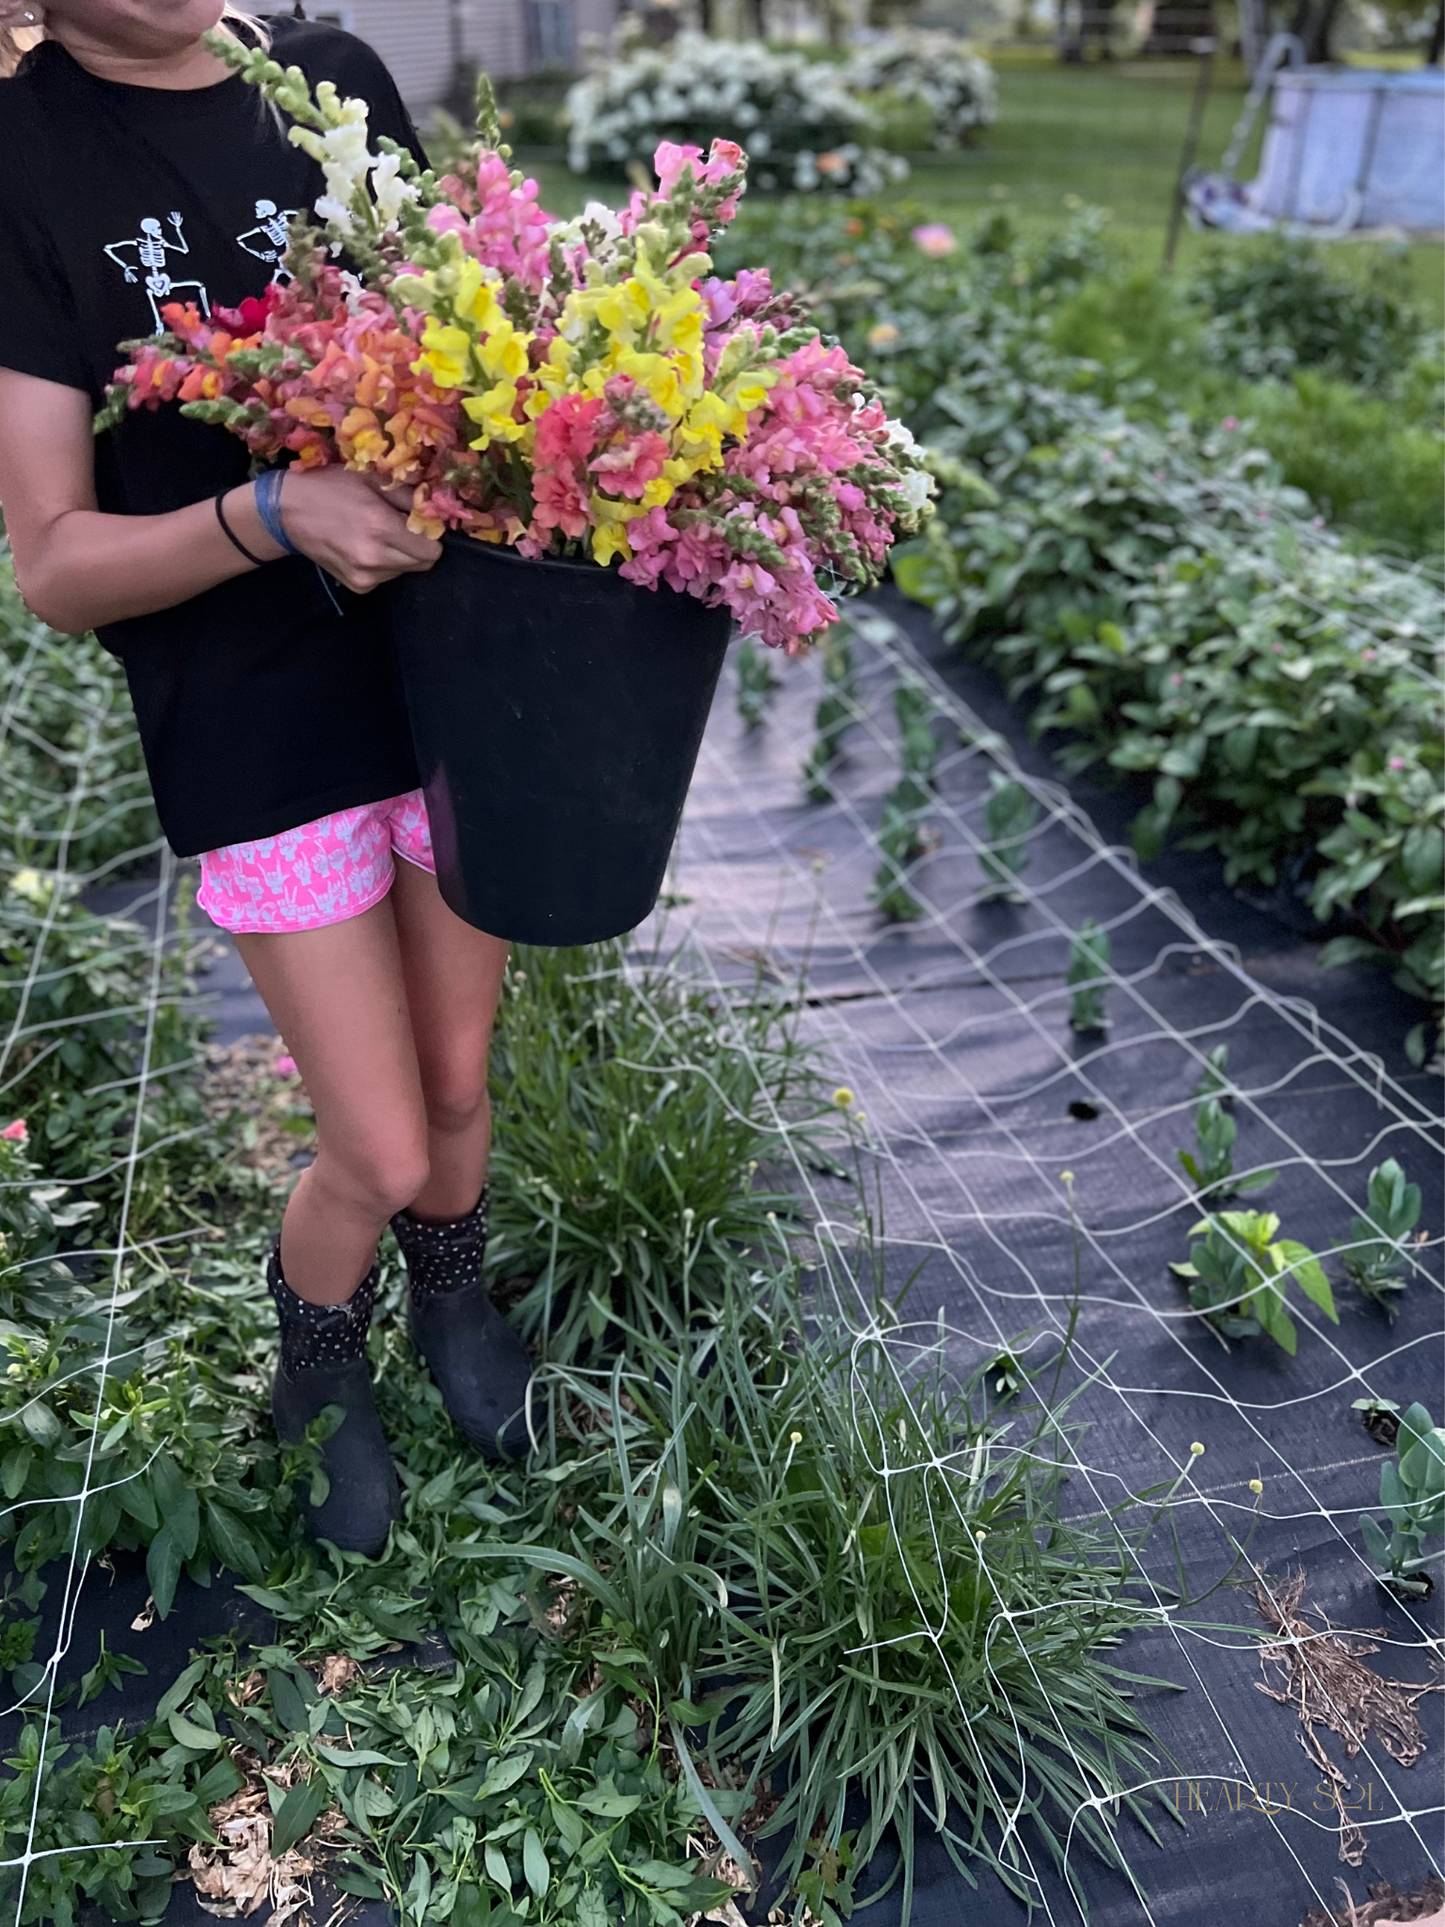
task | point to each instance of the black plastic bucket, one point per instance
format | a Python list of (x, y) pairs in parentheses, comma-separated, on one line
[(557, 712)]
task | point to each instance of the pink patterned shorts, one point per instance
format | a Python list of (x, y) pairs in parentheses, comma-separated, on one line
[(320, 873)]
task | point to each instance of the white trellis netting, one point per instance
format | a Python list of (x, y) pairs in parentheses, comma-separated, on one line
[(953, 1032), (954, 1035)]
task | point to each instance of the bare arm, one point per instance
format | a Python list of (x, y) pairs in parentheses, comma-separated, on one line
[(78, 568)]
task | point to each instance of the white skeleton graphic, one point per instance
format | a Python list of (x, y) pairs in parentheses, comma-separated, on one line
[(267, 240), (151, 248)]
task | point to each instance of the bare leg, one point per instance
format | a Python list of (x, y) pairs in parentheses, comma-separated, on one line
[(453, 977), (339, 998)]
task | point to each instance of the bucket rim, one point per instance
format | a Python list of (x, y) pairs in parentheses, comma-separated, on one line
[(462, 544)]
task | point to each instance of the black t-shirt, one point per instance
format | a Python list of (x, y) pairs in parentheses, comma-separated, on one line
[(259, 707)]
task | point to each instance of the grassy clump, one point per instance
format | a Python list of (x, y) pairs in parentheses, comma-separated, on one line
[(857, 1586), (637, 1110)]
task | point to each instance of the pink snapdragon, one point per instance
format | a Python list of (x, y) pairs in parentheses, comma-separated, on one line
[(499, 222)]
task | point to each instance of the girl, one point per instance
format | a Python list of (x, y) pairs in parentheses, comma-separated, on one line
[(139, 171)]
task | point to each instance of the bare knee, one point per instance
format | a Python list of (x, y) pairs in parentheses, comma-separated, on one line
[(376, 1179), (456, 1097)]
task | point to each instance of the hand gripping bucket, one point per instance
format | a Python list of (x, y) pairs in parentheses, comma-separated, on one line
[(557, 713)]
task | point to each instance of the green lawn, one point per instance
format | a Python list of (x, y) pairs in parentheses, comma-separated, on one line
[(1110, 135)]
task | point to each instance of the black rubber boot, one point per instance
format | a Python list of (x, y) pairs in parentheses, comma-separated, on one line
[(323, 1362), (480, 1366)]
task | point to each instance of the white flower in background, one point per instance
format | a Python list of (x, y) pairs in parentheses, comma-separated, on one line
[(786, 107), (935, 69)]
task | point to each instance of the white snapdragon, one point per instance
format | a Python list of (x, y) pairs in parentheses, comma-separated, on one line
[(343, 153), (347, 163), (390, 192)]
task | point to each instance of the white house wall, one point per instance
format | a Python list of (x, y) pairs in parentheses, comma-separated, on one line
[(414, 37), (495, 36)]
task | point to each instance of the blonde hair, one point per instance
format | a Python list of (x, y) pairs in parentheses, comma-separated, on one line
[(15, 42)]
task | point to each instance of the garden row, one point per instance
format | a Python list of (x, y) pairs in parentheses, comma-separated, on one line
[(652, 1633), (1238, 1276), (1169, 605)]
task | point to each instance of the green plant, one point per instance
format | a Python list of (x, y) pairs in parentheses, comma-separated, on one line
[(635, 1106), (88, 1010), (1283, 304), (837, 710), (1278, 695), (1211, 1163), (854, 1584), (33, 1217), (1214, 1080), (1087, 975), (1009, 815), (1370, 462), (80, 1810), (74, 795), (756, 682), (1412, 1496), (1374, 1256), (1237, 1274), (902, 838)]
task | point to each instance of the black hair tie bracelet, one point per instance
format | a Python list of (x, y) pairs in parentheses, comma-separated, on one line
[(231, 535)]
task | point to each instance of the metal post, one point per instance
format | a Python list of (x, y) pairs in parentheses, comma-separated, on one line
[(1191, 145)]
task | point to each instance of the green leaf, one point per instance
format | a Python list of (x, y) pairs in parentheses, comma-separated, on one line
[(591, 1909), (504, 1774), (15, 1469), (179, 1506), (360, 1756), (609, 1806), (232, 1544), (534, 1863), (1376, 1544), (1308, 1273), (218, 1782), (299, 1812), (190, 1733), (704, 1798), (163, 1569), (41, 1423), (286, 1701), (180, 1689)]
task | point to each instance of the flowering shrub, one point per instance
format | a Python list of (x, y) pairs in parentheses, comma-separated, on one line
[(585, 388), (936, 70), (803, 126)]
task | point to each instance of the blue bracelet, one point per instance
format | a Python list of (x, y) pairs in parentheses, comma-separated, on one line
[(268, 507)]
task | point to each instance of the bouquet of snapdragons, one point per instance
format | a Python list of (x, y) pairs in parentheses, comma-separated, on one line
[(583, 388)]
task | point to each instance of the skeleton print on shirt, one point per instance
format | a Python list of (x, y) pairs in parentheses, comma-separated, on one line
[(267, 240), (151, 249)]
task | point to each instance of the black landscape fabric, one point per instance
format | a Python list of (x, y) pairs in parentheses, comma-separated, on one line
[(953, 1033)]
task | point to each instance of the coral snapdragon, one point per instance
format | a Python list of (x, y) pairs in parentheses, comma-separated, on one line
[(586, 388)]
